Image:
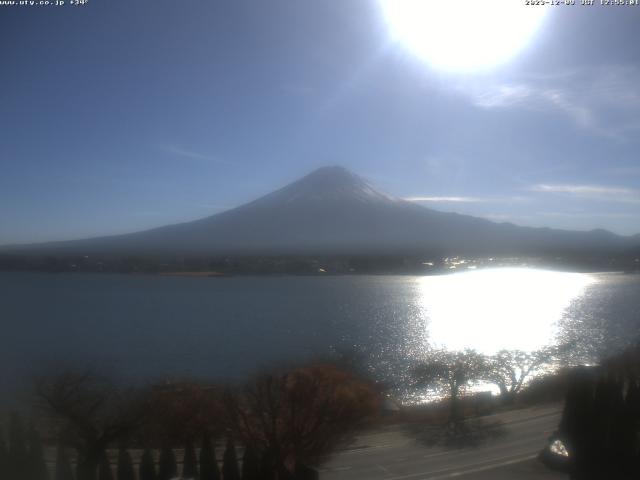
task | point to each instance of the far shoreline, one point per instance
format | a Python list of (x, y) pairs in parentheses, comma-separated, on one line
[(221, 275)]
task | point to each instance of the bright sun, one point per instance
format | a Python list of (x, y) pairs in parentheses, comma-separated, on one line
[(463, 35)]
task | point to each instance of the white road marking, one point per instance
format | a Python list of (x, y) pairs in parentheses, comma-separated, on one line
[(335, 469), (487, 467), (437, 454), (367, 449)]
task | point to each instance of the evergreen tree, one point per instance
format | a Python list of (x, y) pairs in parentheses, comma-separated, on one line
[(168, 467), (617, 441), (87, 464), (576, 424), (250, 464), (208, 464), (268, 465), (633, 403), (190, 462), (147, 466), (125, 465), (63, 466), (633, 424), (230, 462), (18, 461), (104, 468), (37, 465), (4, 454), (597, 442)]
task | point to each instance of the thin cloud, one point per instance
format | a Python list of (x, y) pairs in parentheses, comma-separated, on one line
[(588, 215), (209, 206), (600, 192), (445, 199), (582, 189), (503, 217), (562, 101), (503, 96), (529, 97), (460, 199), (190, 154), (603, 100)]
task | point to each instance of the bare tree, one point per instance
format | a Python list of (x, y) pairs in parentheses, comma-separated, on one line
[(92, 413), (299, 417), (510, 369), (450, 373)]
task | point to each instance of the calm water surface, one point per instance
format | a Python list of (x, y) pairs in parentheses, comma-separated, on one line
[(148, 326)]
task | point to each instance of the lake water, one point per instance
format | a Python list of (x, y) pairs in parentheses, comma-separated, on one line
[(153, 327)]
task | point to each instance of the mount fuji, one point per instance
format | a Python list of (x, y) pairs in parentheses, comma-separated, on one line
[(334, 211)]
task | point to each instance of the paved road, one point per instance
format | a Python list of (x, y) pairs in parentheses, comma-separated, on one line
[(394, 454)]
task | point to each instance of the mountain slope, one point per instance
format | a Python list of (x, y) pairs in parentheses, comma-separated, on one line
[(334, 211)]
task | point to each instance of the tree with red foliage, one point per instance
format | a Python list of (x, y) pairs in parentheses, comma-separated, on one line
[(180, 412), (300, 417)]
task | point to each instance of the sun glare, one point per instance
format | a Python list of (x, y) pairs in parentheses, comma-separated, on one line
[(494, 309), (465, 35)]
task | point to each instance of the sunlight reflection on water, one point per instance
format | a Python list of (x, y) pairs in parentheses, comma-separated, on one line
[(502, 308)]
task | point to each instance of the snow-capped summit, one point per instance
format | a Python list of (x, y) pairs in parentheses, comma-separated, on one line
[(329, 184)]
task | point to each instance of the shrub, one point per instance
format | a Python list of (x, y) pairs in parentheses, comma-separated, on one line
[(147, 469), (18, 459), (190, 462), (125, 465), (250, 464), (104, 468), (230, 462), (37, 465), (208, 464), (168, 468), (63, 466)]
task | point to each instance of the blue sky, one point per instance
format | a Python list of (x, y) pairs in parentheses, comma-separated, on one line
[(123, 115)]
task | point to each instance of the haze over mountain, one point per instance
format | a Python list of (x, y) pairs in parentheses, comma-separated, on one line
[(333, 211)]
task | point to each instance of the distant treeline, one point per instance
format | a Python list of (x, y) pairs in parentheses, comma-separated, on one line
[(306, 264)]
